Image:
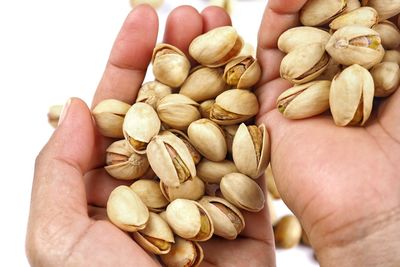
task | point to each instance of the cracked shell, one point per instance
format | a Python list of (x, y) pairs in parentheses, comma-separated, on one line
[(386, 8), (151, 92), (150, 193), (191, 189), (212, 172), (365, 16), (242, 72), (183, 253)]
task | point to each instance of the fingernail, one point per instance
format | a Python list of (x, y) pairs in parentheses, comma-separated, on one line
[(64, 111)]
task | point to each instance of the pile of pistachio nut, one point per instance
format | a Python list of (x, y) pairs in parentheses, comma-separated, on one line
[(190, 146), (344, 54)]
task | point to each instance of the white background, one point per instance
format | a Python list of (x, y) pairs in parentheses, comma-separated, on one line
[(51, 50)]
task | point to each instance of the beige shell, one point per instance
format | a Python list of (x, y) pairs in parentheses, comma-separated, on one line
[(126, 210), (189, 220), (109, 116), (157, 237), (365, 16), (208, 138), (54, 114), (389, 33), (320, 12), (386, 8), (295, 37), (123, 162), (205, 108), (204, 83), (251, 150), (170, 65), (195, 154), (391, 56), (151, 92), (151, 195), (242, 191), (304, 101), (287, 232), (230, 131), (356, 45), (216, 47), (191, 189), (386, 77), (183, 253), (212, 172), (351, 96), (242, 72)]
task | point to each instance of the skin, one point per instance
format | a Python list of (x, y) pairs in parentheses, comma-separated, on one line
[(342, 183)]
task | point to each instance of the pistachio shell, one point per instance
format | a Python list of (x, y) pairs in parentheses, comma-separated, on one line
[(126, 210), (386, 8), (216, 47), (230, 131), (191, 189), (392, 56), (183, 253), (195, 154), (319, 12), (242, 72), (225, 4), (212, 172), (330, 72), (153, 3), (242, 191), (365, 16), (386, 77), (287, 232), (150, 193), (389, 33), (54, 115), (151, 92), (294, 38), (205, 108)]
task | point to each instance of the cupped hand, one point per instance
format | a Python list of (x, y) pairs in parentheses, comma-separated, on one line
[(67, 222), (343, 183)]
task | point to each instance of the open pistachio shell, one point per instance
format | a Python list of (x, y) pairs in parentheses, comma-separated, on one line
[(242, 191), (294, 38), (109, 116), (386, 8), (216, 47), (319, 12), (150, 193), (183, 253), (228, 221), (157, 237), (195, 154), (212, 172), (205, 108), (191, 189), (287, 232), (189, 220), (392, 56), (126, 210), (251, 149), (389, 33), (386, 77), (365, 16), (151, 92), (124, 163), (242, 72)]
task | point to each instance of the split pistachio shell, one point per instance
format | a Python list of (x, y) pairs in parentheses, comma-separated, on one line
[(170, 159), (351, 96), (271, 186), (287, 232), (251, 149), (228, 221), (230, 131), (54, 115), (141, 123), (204, 83), (170, 65), (205, 108), (365, 16), (212, 172), (157, 237), (183, 253), (304, 101), (295, 37), (392, 56), (389, 33), (195, 154), (189, 220), (208, 138), (242, 72), (126, 210), (234, 106), (178, 111), (386, 8), (151, 92), (242, 191), (356, 45), (319, 12), (151, 195), (124, 163), (216, 47), (304, 63), (191, 189), (109, 116), (386, 77)]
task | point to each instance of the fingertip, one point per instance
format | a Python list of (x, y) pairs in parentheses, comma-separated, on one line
[(213, 17)]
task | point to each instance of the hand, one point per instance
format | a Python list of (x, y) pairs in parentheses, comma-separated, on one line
[(342, 183), (67, 223)]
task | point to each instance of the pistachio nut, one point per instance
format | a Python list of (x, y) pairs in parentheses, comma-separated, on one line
[(386, 8), (212, 172), (305, 100), (294, 38), (170, 65), (178, 111), (234, 106), (205, 108), (351, 96), (351, 5), (230, 131), (204, 83), (195, 154), (305, 63), (216, 47), (287, 232), (242, 72), (389, 33), (157, 237), (247, 50), (392, 56), (191, 189), (124, 163), (183, 253), (242, 191), (170, 159), (356, 45), (54, 114), (386, 77), (189, 220), (251, 149), (151, 92), (126, 210), (150, 193), (271, 186), (320, 12), (109, 116), (227, 220), (208, 138), (365, 16)]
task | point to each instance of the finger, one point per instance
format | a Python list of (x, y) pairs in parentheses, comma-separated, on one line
[(268, 94), (214, 17), (130, 56)]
